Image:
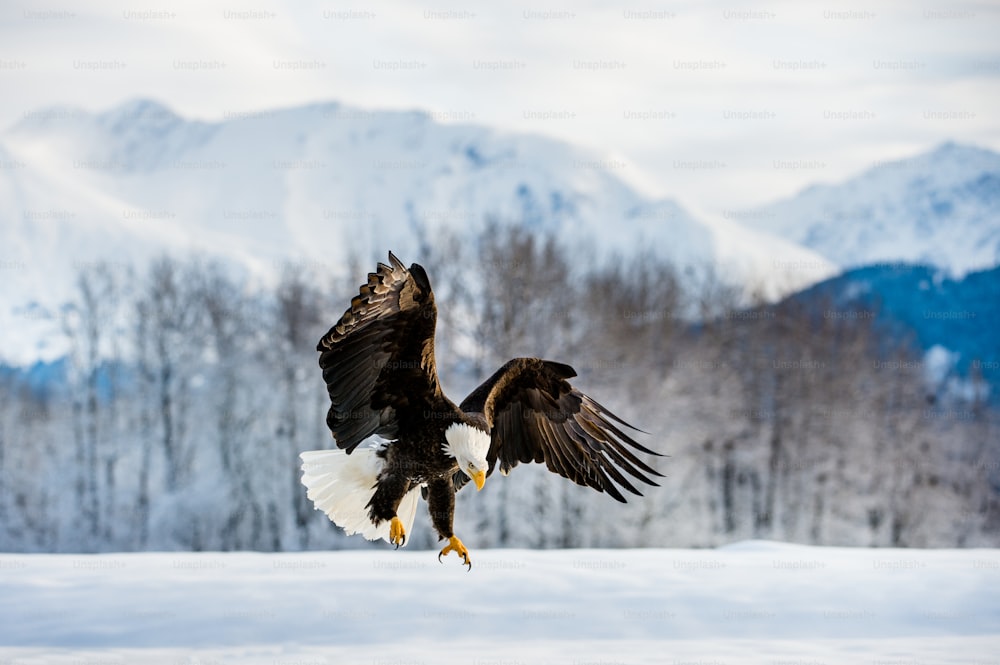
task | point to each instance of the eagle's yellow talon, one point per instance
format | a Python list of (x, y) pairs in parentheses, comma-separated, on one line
[(397, 534), (455, 545)]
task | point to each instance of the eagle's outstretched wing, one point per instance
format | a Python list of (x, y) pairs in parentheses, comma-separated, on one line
[(378, 360), (535, 415)]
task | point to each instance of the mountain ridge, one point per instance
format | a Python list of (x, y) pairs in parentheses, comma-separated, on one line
[(321, 183), (940, 208), (317, 185)]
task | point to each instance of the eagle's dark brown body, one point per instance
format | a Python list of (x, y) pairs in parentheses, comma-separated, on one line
[(415, 462)]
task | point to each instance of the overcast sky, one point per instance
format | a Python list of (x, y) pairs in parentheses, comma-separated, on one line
[(720, 105)]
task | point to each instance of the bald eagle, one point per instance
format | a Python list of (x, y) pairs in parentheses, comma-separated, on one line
[(378, 366)]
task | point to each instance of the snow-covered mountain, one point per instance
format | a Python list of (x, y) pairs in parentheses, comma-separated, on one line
[(312, 185), (940, 208)]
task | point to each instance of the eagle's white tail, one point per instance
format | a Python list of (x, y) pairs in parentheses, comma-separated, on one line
[(341, 485)]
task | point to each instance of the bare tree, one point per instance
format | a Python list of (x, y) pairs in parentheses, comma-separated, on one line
[(168, 324), (298, 325), (89, 325)]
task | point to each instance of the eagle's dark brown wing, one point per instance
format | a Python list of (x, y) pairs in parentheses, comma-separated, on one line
[(535, 415), (378, 360)]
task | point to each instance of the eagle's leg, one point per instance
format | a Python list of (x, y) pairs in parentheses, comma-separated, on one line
[(389, 493), (441, 504)]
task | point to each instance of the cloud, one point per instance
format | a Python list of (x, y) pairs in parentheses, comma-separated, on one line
[(665, 87)]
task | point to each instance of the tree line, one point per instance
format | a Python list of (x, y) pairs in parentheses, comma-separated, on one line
[(186, 396)]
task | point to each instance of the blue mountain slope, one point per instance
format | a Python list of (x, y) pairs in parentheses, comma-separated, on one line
[(923, 307)]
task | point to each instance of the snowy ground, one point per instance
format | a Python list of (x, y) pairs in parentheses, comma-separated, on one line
[(748, 603)]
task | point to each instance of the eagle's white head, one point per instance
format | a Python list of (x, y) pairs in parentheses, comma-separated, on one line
[(469, 446)]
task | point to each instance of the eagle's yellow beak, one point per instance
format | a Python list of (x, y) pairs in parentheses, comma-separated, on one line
[(479, 477)]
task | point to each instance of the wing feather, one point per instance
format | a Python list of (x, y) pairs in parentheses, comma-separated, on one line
[(558, 458), (535, 415), (622, 454), (378, 359)]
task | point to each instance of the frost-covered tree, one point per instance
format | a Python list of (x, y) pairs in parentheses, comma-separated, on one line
[(176, 419)]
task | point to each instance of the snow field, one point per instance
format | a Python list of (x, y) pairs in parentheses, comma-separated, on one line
[(753, 602)]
